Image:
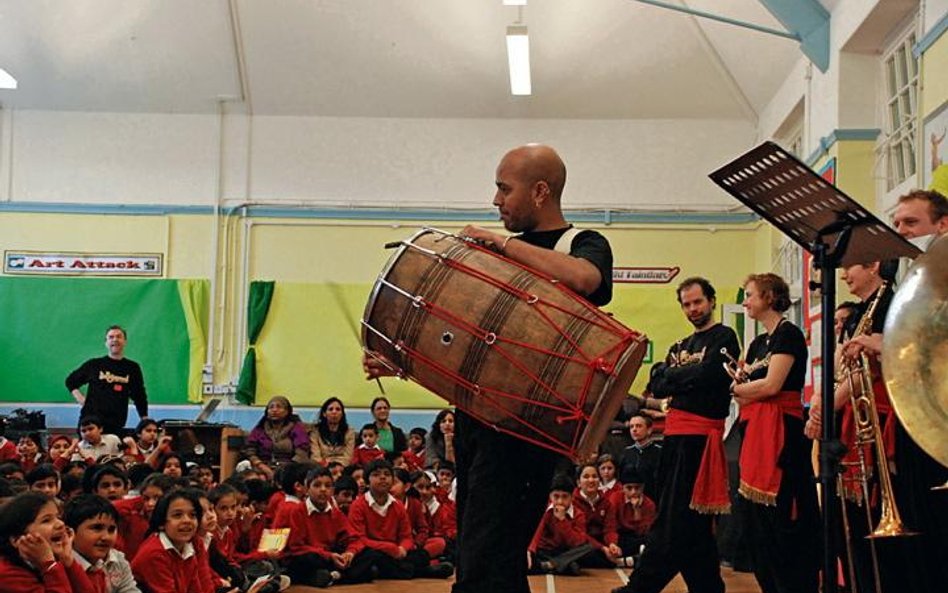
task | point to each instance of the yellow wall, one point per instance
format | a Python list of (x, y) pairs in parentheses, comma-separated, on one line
[(854, 166), (935, 83), (322, 267), (325, 270)]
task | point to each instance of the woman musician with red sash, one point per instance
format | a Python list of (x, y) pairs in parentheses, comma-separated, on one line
[(778, 495)]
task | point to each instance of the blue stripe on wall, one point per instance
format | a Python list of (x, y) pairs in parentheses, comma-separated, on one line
[(67, 415), (605, 217)]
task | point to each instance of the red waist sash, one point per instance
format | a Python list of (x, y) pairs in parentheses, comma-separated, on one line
[(852, 486), (763, 441), (709, 496)]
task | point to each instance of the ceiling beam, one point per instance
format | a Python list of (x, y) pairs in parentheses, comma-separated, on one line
[(806, 21), (810, 24)]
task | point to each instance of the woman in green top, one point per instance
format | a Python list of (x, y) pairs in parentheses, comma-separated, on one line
[(391, 438)]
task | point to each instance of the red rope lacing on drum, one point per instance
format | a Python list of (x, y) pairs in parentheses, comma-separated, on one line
[(569, 411)]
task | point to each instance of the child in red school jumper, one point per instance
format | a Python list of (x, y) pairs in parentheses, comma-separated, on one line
[(214, 577), (135, 513), (36, 554), (292, 481), (368, 450), (335, 469), (600, 518), (253, 516), (94, 522), (29, 450), (171, 464), (147, 439), (168, 560), (7, 448), (383, 523), (608, 478), (70, 486), (560, 541), (357, 474), (634, 514), (322, 548), (442, 516), (219, 572), (56, 447), (420, 526), (446, 485), (345, 491), (414, 455), (224, 499), (44, 478), (108, 481)]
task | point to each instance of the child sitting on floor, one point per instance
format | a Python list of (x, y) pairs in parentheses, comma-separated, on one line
[(369, 449), (384, 524), (94, 522), (323, 549), (560, 541)]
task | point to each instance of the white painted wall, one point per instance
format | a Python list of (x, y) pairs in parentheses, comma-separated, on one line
[(934, 10), (173, 159), (846, 95)]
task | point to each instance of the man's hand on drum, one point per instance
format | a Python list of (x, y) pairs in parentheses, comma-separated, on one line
[(489, 239), (374, 366)]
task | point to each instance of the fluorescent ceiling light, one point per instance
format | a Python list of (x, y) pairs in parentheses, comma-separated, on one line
[(518, 59), (6, 81), (515, 2)]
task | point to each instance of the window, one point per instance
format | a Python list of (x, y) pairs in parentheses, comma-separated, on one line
[(900, 73)]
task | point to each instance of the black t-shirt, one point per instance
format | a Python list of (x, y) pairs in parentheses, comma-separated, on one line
[(786, 339), (111, 384), (588, 245), (693, 372)]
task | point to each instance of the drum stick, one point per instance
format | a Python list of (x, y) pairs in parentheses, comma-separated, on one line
[(336, 291)]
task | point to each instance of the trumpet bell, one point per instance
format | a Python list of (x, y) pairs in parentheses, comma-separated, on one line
[(915, 351)]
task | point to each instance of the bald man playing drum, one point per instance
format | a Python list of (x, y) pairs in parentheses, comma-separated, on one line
[(503, 481)]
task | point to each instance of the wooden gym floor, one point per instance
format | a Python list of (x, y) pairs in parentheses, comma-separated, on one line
[(591, 581)]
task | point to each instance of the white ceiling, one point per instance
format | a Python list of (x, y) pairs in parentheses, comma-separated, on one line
[(390, 58)]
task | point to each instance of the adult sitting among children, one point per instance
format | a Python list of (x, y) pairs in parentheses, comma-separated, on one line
[(439, 446), (390, 438), (331, 438), (279, 437)]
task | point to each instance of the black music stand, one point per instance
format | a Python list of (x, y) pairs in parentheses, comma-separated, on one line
[(838, 232)]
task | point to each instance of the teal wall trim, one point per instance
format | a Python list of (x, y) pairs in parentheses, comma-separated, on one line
[(932, 36), (826, 142), (810, 22), (605, 217)]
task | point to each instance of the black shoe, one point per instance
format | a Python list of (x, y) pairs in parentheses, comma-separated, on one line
[(571, 569), (623, 589), (441, 570), (322, 579)]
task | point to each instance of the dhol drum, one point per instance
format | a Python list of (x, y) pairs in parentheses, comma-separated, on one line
[(513, 348)]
